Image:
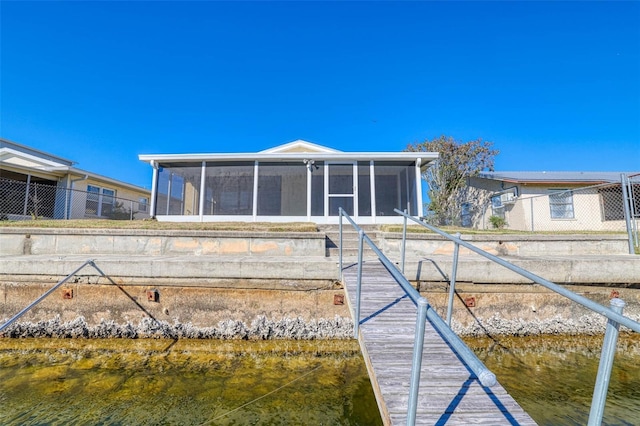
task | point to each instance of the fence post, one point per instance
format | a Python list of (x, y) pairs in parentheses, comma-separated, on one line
[(532, 221), (627, 212), (634, 212), (26, 195), (604, 369), (356, 325), (340, 242), (416, 366), (404, 240), (452, 282)]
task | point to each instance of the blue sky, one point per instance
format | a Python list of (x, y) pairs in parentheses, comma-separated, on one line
[(554, 85)]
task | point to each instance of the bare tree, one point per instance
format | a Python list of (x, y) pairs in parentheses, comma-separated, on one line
[(448, 177)]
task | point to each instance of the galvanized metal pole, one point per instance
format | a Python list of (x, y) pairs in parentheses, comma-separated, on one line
[(627, 212), (404, 240), (452, 282), (604, 369), (48, 292), (416, 365), (532, 220), (356, 325), (340, 242), (634, 213), (26, 195)]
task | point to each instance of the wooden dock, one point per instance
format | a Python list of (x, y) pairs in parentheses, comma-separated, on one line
[(449, 394)]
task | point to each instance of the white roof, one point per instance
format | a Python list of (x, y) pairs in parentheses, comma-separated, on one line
[(556, 177), (22, 157), (298, 150)]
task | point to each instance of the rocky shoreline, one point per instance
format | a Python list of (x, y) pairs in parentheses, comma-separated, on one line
[(298, 328), (261, 328)]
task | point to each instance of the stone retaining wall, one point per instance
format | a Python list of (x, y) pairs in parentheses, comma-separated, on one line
[(20, 241), (420, 245)]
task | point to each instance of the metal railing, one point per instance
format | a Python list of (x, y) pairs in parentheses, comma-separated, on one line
[(31, 200), (613, 314), (48, 292), (425, 311)]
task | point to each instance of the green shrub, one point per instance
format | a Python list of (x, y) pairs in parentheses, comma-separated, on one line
[(498, 222)]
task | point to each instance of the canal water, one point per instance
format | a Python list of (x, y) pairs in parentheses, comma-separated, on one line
[(239, 382), (185, 382), (553, 377)]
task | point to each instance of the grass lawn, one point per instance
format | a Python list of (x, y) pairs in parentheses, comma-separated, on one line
[(252, 226), (152, 224)]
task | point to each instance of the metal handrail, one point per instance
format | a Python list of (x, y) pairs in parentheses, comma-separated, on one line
[(587, 303), (614, 314), (48, 292), (425, 311)]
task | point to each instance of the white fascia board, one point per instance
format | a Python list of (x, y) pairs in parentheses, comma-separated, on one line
[(6, 144), (19, 158), (426, 157)]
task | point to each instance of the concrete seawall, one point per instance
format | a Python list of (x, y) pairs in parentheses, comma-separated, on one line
[(284, 281), (36, 241)]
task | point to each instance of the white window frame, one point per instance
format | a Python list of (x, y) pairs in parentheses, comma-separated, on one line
[(101, 196), (143, 204), (566, 202)]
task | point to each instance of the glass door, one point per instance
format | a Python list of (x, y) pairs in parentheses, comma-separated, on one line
[(341, 188)]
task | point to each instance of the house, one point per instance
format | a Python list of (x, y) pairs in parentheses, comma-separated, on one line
[(297, 181), (35, 183), (556, 201)]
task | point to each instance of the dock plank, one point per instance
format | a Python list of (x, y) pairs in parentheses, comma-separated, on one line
[(449, 392)]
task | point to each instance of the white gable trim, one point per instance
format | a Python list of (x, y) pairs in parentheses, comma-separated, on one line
[(299, 146)]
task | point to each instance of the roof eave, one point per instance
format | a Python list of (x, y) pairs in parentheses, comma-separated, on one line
[(425, 157), (94, 176)]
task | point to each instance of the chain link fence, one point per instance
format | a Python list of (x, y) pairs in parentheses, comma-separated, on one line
[(27, 200), (610, 207)]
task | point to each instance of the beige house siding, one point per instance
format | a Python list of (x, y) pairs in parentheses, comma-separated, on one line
[(64, 193), (531, 210), (125, 196)]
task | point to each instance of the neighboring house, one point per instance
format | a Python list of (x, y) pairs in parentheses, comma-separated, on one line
[(555, 201), (298, 181), (34, 183)]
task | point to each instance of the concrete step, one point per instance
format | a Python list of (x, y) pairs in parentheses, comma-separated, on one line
[(334, 252), (349, 240)]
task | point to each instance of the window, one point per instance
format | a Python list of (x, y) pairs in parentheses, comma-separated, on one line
[(143, 204), (561, 204), (497, 207), (100, 201), (179, 189), (229, 188), (395, 188), (93, 198), (282, 189), (108, 199)]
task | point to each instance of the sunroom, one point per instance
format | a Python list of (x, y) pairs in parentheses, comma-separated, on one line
[(296, 182)]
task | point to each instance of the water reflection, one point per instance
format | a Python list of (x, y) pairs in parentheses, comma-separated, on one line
[(186, 382), (552, 377)]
